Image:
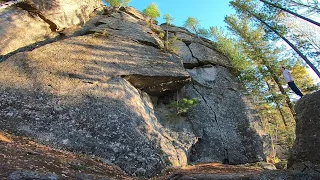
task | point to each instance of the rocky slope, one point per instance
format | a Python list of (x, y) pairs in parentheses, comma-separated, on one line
[(106, 93)]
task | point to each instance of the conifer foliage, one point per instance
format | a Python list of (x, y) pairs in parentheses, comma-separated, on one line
[(168, 19), (192, 24), (256, 59), (269, 19), (152, 11), (118, 3)]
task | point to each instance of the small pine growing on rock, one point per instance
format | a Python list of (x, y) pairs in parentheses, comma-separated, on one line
[(152, 11), (184, 105)]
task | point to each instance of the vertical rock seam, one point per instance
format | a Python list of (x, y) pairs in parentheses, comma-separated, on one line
[(226, 154), (192, 53), (34, 12)]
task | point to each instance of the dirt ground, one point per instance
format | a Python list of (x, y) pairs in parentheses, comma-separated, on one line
[(22, 153), (207, 169)]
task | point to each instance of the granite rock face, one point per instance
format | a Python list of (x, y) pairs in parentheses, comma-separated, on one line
[(71, 94), (276, 175), (15, 24), (184, 52), (123, 25), (207, 55), (107, 94), (65, 13), (26, 174), (305, 151), (32, 21), (194, 50), (227, 127)]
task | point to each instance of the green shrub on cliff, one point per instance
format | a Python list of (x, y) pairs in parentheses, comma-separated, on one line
[(170, 45), (118, 3), (181, 107)]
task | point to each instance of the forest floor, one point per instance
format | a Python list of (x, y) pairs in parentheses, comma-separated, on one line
[(21, 153)]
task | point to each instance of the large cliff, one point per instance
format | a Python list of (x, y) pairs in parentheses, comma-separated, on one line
[(105, 92)]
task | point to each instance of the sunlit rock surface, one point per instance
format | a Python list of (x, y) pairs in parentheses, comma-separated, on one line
[(32, 21), (107, 94)]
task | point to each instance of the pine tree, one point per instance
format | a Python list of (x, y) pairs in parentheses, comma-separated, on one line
[(192, 24), (311, 6), (168, 20), (118, 3), (291, 12), (306, 36), (152, 11), (231, 49), (245, 7), (258, 49)]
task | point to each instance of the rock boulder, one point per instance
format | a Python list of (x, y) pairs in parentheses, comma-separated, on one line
[(65, 13), (305, 151), (26, 174)]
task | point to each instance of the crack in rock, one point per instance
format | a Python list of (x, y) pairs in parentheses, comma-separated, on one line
[(226, 154), (35, 12), (192, 53)]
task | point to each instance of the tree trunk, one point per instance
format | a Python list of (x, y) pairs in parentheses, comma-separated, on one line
[(167, 38), (311, 8), (293, 13), (278, 107), (288, 42), (283, 92), (282, 116)]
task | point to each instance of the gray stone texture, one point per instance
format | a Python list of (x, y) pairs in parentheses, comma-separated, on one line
[(27, 174), (185, 53), (207, 55), (66, 13), (172, 28), (267, 175), (102, 94), (305, 152), (20, 28), (135, 13), (125, 27), (70, 94), (186, 36), (227, 126)]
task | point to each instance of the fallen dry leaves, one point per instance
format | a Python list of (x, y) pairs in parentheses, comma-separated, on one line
[(22, 153)]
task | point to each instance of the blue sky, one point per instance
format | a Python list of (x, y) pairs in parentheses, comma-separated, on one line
[(208, 12)]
